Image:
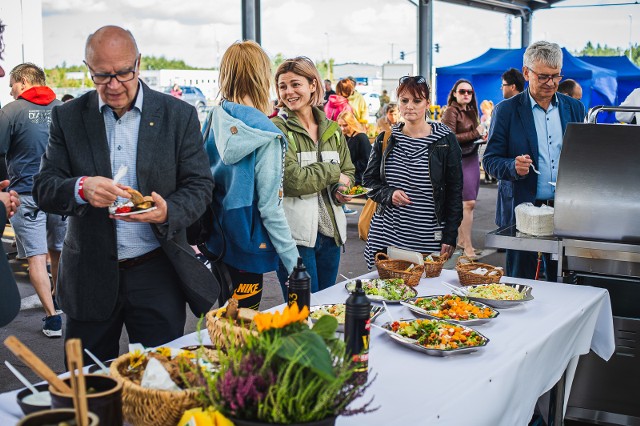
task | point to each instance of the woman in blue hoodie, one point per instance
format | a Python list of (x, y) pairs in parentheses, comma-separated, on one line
[(246, 152)]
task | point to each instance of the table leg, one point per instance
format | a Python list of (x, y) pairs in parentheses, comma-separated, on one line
[(556, 402)]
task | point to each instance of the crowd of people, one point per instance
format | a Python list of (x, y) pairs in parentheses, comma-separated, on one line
[(273, 188)]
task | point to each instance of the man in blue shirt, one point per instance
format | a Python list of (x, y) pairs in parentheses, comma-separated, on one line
[(527, 130)]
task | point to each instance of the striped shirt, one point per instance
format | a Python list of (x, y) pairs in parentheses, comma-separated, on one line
[(415, 226)]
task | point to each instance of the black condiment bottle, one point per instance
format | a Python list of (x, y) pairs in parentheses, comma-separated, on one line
[(357, 329), (299, 286)]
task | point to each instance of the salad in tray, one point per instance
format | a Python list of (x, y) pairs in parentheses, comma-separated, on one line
[(451, 307), (389, 290), (495, 292), (438, 335), (338, 311)]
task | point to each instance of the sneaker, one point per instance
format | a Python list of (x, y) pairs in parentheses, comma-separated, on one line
[(350, 212), (55, 305), (52, 326)]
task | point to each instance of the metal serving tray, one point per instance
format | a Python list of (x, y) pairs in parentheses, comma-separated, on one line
[(413, 344), (410, 303), (503, 304)]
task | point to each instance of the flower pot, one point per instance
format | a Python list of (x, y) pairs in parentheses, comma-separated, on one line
[(329, 421)]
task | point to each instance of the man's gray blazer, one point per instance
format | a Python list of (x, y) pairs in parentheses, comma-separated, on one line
[(170, 161)]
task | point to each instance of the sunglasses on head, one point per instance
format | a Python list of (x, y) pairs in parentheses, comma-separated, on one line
[(465, 91), (417, 78)]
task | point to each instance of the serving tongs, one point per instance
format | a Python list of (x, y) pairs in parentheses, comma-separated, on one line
[(396, 335), (36, 364), (456, 290), (79, 390)]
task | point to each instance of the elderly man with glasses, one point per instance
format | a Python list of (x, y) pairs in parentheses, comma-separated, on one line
[(527, 130), (135, 270)]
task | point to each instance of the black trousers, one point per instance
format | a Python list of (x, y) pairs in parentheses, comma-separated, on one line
[(247, 287), (150, 304)]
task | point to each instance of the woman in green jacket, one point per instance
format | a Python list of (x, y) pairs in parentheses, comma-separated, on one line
[(317, 171)]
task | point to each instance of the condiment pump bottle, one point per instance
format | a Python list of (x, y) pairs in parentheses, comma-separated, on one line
[(299, 286), (357, 329)]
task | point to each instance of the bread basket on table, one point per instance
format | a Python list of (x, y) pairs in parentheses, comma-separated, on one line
[(395, 268), (434, 268), (464, 266), (223, 332), (152, 407)]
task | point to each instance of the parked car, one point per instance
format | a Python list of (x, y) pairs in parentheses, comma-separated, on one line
[(373, 102), (193, 96)]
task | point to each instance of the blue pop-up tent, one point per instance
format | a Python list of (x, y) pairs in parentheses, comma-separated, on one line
[(628, 74), (599, 85)]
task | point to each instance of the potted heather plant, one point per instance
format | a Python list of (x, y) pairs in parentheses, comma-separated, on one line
[(286, 374)]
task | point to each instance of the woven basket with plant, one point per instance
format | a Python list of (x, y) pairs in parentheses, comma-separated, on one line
[(433, 265), (230, 325), (473, 273), (396, 268), (144, 406)]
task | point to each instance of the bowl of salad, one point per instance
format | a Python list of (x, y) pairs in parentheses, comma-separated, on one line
[(337, 310), (389, 290), (501, 295), (453, 308), (435, 337)]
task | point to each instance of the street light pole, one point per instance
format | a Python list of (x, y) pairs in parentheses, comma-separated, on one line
[(630, 27)]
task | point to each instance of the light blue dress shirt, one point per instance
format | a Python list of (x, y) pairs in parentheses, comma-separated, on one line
[(549, 132), (133, 239)]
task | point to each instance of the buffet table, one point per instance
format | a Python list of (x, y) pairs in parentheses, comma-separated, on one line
[(531, 346)]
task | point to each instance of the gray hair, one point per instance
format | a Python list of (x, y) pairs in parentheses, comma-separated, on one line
[(550, 54)]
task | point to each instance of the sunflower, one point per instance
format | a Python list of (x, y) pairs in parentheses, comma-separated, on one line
[(290, 314)]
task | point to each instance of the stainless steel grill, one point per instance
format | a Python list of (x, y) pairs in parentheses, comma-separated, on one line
[(597, 243)]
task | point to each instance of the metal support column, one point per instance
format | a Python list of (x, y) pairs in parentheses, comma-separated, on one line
[(425, 38), (527, 25), (251, 20)]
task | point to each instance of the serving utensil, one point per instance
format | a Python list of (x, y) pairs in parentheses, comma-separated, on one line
[(122, 171), (99, 363), (396, 335), (20, 377), (386, 309), (36, 364), (456, 290), (79, 391)]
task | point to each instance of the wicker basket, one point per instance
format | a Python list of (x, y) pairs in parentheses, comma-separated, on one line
[(395, 268), (464, 266), (433, 269), (223, 333), (152, 407)]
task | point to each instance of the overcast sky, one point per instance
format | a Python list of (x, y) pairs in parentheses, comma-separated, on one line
[(198, 31)]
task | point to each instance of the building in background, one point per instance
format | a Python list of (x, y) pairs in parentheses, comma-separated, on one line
[(22, 36)]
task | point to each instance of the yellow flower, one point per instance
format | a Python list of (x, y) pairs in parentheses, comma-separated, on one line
[(204, 417), (164, 351), (187, 354), (290, 315), (136, 359)]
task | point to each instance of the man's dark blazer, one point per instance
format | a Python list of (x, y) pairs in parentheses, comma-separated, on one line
[(513, 133), (170, 161)]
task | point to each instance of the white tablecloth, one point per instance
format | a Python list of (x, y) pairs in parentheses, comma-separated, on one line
[(530, 347)]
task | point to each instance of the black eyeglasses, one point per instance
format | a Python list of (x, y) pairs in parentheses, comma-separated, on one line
[(417, 78), (121, 76), (545, 78), (465, 91), (507, 84)]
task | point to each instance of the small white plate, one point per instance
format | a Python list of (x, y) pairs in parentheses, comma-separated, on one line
[(357, 195), (150, 209)]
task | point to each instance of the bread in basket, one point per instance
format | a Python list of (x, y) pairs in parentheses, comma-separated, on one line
[(473, 273), (395, 268)]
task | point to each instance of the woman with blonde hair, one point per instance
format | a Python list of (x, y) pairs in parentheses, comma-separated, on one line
[(318, 170), (246, 153), (358, 143)]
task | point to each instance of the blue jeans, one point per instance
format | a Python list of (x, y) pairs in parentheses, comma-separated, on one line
[(321, 261)]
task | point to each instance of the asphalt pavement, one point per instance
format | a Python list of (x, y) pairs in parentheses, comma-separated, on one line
[(28, 324)]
